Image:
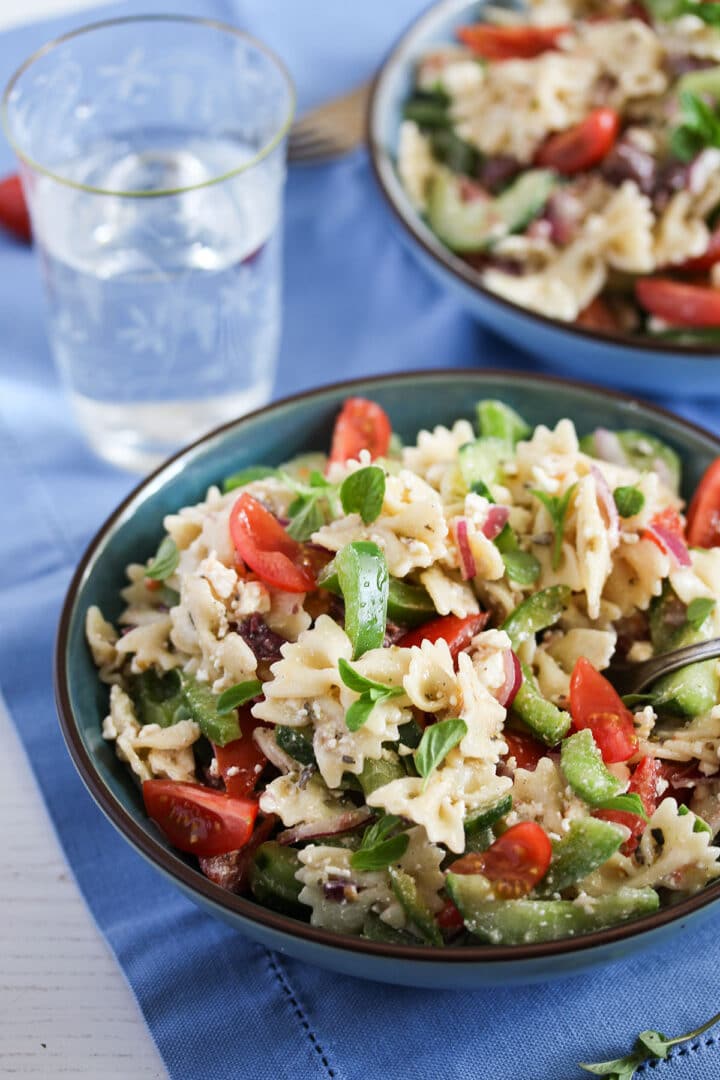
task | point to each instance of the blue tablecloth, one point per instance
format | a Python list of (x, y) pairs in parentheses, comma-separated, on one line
[(217, 1005)]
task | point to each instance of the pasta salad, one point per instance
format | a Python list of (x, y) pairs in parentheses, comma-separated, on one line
[(366, 688), (571, 155)]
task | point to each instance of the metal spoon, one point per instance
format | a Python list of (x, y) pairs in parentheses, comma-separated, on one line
[(628, 678)]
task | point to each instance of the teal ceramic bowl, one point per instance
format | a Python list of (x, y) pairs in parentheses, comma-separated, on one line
[(413, 401), (620, 360)]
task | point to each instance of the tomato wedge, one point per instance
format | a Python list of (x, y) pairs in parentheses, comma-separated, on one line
[(678, 302), (510, 42), (361, 425), (240, 762), (267, 548), (458, 633), (703, 517), (595, 704), (643, 782), (526, 750), (515, 862), (449, 918), (706, 261), (582, 146), (14, 214), (197, 819)]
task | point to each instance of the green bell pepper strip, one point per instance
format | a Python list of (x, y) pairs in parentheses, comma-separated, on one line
[(524, 922), (585, 771), (219, 728), (536, 613), (376, 772), (694, 689), (545, 720), (416, 911), (159, 699), (363, 579), (297, 742), (272, 879), (408, 605), (498, 420), (588, 843), (480, 819)]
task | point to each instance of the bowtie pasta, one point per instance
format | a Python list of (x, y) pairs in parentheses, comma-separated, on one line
[(366, 689), (571, 155)]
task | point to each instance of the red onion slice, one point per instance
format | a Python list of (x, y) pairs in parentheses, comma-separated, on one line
[(607, 447), (671, 544), (607, 503), (314, 830), (467, 559), (513, 679), (495, 522)]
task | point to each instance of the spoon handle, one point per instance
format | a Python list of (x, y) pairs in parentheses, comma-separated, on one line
[(633, 678)]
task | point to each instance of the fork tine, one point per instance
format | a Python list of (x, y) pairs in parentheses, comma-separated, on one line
[(330, 130), (318, 151)]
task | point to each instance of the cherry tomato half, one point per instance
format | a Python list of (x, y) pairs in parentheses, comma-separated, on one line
[(595, 704), (14, 214), (643, 782), (679, 303), (703, 518), (361, 425), (706, 261), (526, 750), (458, 633), (240, 762), (582, 146), (515, 862), (267, 548), (197, 819), (510, 42)]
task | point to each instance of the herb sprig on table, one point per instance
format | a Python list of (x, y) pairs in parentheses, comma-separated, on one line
[(649, 1046)]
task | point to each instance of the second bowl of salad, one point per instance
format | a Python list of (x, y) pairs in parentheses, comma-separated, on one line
[(559, 166)]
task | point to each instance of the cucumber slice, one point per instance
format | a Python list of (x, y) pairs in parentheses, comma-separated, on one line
[(272, 879), (525, 198), (480, 461), (705, 81)]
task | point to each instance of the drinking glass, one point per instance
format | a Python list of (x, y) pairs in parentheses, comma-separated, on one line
[(152, 155)]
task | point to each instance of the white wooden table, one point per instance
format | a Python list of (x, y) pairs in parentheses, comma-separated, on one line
[(65, 1009)]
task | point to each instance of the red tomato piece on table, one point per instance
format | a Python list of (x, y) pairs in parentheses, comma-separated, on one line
[(643, 782), (240, 762), (526, 750), (515, 862), (679, 303), (510, 42), (595, 704), (197, 819), (703, 518), (458, 633), (267, 548), (583, 146), (361, 425), (14, 214)]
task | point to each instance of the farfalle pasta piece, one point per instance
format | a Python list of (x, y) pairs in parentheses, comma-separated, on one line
[(297, 800), (102, 639), (628, 221), (148, 646), (449, 595), (671, 855), (415, 163), (680, 234), (150, 751), (631, 53)]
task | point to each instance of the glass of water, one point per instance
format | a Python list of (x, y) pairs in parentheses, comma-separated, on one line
[(152, 154)]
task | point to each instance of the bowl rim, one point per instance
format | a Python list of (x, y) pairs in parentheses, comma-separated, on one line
[(381, 161), (193, 880)]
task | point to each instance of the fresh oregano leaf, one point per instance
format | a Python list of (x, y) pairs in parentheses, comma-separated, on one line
[(247, 476), (363, 491), (165, 562), (628, 803), (557, 507), (653, 1043), (698, 611), (521, 566), (437, 742), (649, 1045), (306, 517), (370, 692), (629, 501), (698, 825), (238, 695), (617, 1069), (379, 848)]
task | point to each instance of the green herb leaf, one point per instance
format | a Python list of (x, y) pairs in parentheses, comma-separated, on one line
[(246, 476), (238, 695), (359, 712), (629, 501), (362, 492), (306, 517), (699, 123), (371, 693), (648, 1045), (165, 562), (379, 848), (521, 566), (653, 1043), (698, 611), (557, 507), (617, 1069), (167, 596), (628, 803), (380, 829), (699, 825), (364, 583), (436, 743)]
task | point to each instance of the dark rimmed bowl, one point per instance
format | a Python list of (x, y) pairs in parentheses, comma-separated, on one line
[(621, 360), (413, 400)]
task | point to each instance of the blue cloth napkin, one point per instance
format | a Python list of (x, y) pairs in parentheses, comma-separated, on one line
[(216, 1004)]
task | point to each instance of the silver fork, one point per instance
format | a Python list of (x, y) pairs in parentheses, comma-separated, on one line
[(330, 130), (633, 678)]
